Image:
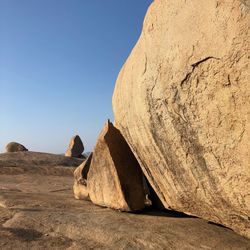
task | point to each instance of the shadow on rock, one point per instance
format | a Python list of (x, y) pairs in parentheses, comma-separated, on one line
[(219, 225), (165, 213), (24, 234)]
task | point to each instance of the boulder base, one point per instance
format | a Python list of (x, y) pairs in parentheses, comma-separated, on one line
[(80, 180)]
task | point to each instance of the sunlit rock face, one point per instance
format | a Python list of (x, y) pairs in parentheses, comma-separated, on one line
[(182, 101)]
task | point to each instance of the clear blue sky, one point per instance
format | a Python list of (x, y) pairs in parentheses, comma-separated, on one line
[(59, 60)]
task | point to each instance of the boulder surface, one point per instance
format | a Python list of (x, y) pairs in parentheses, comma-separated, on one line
[(115, 179), (75, 148), (15, 147), (182, 102)]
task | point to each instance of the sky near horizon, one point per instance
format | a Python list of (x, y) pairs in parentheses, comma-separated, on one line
[(59, 61)]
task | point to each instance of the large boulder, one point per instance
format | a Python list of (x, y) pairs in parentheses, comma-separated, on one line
[(115, 179), (182, 102), (15, 147), (75, 148), (80, 180)]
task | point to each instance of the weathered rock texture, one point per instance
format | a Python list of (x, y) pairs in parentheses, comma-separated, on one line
[(182, 101), (80, 180), (15, 147), (76, 147), (115, 178)]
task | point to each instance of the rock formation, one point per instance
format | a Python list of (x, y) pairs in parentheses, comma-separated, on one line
[(115, 178), (80, 183), (75, 148), (182, 102), (15, 147)]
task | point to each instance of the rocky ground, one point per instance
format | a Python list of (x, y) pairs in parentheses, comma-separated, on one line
[(38, 211)]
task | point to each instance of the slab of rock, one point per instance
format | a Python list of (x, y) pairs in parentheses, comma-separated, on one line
[(80, 180), (182, 102), (15, 147), (75, 148), (39, 213), (115, 178)]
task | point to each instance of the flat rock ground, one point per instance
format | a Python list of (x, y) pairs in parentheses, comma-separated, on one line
[(38, 211)]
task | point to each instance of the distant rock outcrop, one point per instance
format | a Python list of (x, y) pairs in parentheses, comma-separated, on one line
[(115, 179), (15, 147), (80, 180), (75, 148), (182, 102), (28, 162)]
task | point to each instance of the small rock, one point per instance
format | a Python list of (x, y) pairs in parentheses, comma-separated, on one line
[(80, 184), (15, 147), (115, 177)]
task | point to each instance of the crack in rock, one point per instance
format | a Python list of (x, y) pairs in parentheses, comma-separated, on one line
[(195, 65)]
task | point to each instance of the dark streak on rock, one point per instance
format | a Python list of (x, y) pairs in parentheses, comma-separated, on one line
[(194, 65)]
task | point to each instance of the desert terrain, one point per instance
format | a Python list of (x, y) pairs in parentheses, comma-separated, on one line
[(38, 211)]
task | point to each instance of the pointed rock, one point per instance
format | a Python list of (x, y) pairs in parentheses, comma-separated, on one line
[(75, 148), (80, 183), (115, 177)]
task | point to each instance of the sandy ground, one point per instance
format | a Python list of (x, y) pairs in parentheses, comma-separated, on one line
[(38, 211)]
